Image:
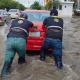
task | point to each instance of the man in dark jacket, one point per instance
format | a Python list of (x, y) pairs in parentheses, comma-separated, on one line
[(16, 42), (53, 38)]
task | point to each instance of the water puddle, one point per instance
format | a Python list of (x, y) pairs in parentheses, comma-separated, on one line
[(34, 69)]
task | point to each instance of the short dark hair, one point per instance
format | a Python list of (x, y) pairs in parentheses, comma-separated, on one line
[(54, 7), (54, 12), (24, 16)]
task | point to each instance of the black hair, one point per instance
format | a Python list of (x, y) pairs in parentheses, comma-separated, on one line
[(54, 11), (54, 7), (24, 16)]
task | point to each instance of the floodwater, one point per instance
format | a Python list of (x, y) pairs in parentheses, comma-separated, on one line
[(34, 69)]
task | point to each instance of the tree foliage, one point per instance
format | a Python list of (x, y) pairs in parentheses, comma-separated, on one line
[(49, 5), (9, 4), (56, 3), (36, 5)]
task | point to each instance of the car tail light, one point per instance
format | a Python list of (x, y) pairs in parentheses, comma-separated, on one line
[(43, 34)]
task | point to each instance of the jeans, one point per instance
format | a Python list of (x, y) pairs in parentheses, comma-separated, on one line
[(55, 45), (14, 45)]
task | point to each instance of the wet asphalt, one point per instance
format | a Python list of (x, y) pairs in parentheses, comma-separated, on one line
[(34, 69)]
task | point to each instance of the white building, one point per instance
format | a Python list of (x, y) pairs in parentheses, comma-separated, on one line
[(28, 3), (66, 8)]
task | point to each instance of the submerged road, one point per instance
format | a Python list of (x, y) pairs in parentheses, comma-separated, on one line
[(37, 70)]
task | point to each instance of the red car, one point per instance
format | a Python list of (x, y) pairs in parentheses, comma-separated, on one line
[(37, 34)]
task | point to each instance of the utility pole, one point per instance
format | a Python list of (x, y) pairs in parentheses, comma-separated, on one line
[(78, 2)]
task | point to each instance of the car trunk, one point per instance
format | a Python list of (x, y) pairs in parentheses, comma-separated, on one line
[(36, 36)]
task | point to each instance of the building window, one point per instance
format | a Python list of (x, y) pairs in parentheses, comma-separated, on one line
[(60, 7), (65, 6)]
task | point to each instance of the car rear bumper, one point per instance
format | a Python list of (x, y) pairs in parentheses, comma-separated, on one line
[(34, 44)]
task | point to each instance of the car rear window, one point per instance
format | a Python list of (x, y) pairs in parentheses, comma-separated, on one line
[(13, 10), (37, 16), (1, 12)]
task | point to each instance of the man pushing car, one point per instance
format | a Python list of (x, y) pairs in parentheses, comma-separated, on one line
[(16, 42)]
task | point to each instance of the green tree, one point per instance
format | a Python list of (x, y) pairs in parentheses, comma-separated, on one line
[(49, 5), (10, 4), (56, 3), (36, 5)]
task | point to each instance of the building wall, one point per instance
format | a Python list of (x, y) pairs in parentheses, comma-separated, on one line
[(67, 8), (64, 0)]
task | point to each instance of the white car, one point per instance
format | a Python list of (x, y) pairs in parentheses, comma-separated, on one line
[(3, 16), (14, 13)]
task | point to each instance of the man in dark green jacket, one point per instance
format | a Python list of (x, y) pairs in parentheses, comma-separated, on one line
[(16, 42)]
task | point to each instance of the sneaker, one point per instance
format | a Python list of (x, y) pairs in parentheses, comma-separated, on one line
[(59, 65), (21, 61)]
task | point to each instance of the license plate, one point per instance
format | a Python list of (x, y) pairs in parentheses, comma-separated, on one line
[(34, 34)]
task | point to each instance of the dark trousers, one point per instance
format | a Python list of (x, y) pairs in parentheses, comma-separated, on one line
[(55, 45)]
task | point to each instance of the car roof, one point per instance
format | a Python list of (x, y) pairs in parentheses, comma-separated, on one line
[(2, 10), (14, 9), (36, 10)]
